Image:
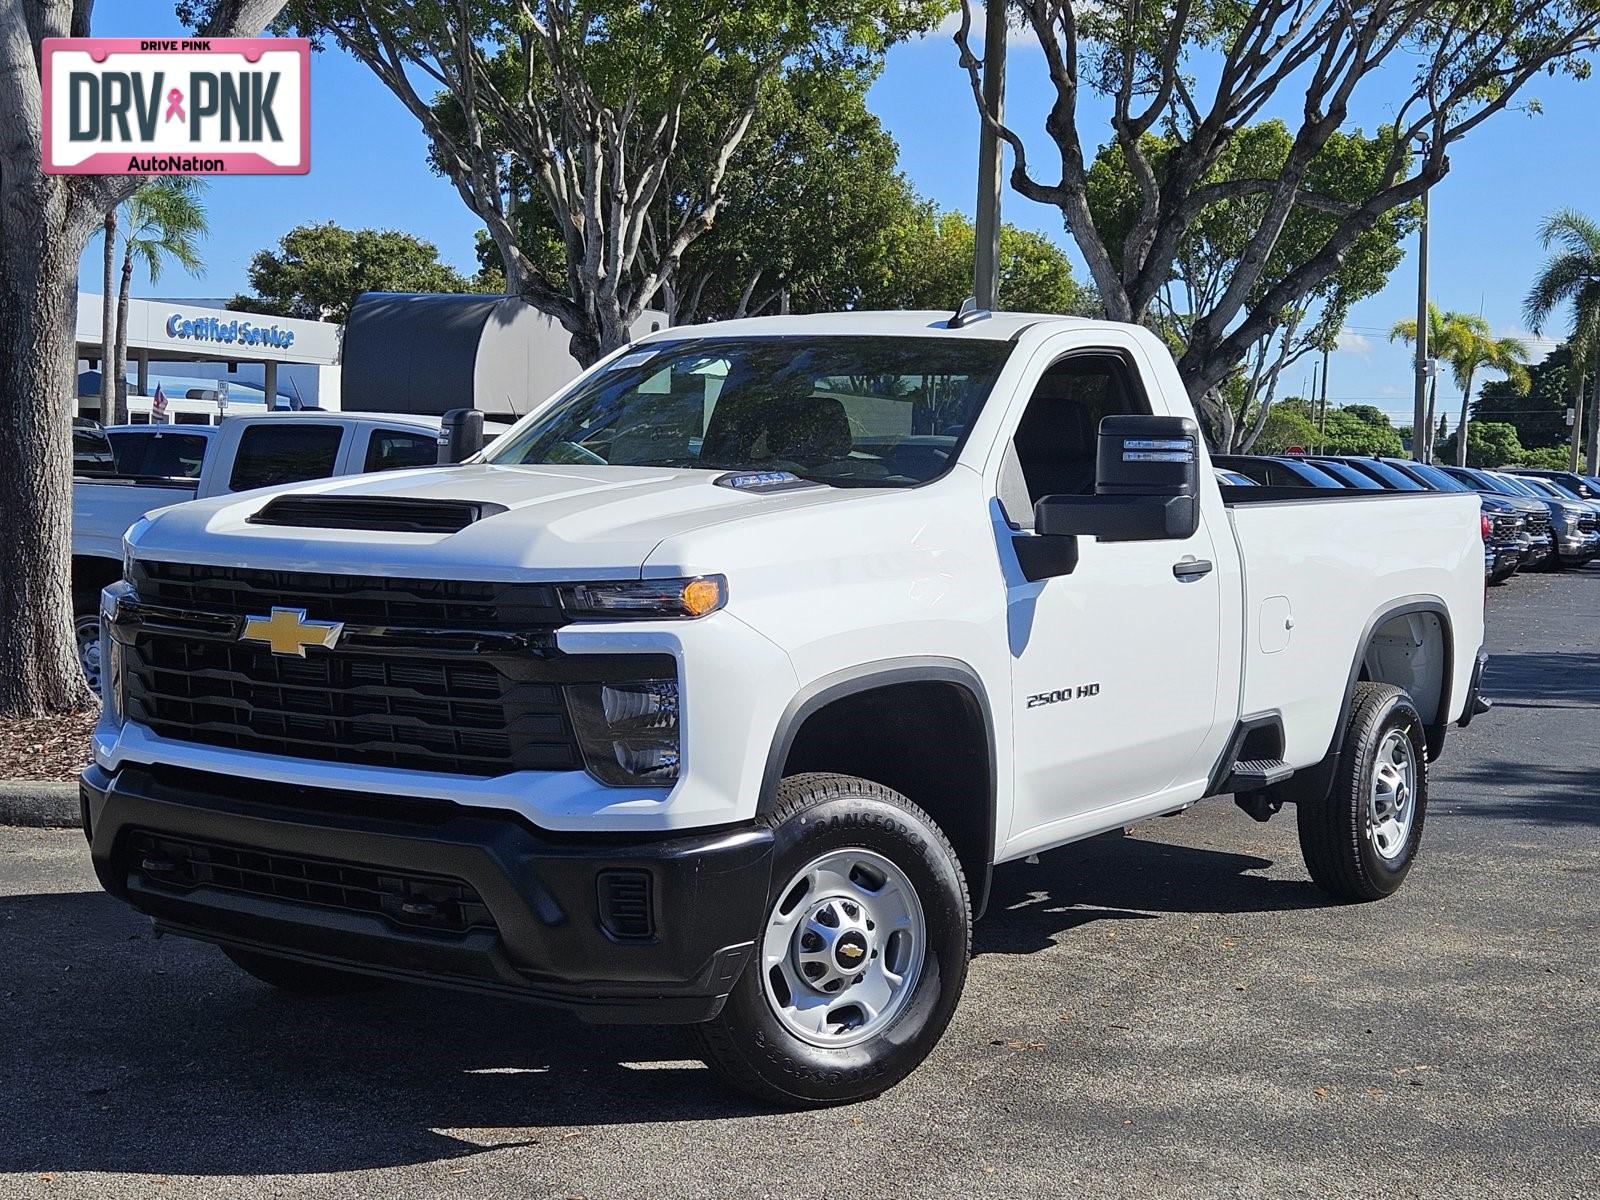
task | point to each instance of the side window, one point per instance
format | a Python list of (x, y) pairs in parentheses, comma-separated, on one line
[(271, 454), (92, 453), (174, 455), (393, 449), (1053, 451)]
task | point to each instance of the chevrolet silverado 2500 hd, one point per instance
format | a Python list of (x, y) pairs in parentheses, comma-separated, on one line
[(713, 691)]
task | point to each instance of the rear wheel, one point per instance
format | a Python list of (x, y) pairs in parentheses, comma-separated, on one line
[(1360, 842), (862, 953), (299, 978)]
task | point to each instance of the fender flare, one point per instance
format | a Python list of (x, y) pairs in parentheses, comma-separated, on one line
[(1313, 782), (865, 677)]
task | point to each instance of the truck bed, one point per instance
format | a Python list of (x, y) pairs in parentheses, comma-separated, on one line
[(1323, 569)]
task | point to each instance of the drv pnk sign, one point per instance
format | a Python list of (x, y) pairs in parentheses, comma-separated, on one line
[(177, 106)]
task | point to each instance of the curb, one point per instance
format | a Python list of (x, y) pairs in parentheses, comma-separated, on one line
[(39, 805)]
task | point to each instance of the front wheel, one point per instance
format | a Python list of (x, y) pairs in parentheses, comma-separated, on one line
[(1361, 841), (86, 631), (862, 953)]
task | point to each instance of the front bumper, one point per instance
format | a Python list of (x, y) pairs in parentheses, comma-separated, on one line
[(615, 928)]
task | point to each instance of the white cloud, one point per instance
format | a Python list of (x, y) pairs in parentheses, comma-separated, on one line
[(1354, 343)]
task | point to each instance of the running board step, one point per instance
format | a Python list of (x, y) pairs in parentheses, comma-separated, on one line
[(1253, 774)]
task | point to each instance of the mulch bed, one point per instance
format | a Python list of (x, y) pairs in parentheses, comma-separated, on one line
[(45, 748)]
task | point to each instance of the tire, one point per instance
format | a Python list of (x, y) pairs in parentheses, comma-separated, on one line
[(1352, 851), (876, 862), (299, 978), (86, 632)]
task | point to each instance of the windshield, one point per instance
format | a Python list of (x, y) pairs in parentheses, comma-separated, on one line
[(848, 411)]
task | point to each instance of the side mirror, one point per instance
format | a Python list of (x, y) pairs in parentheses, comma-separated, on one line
[(460, 435), (1147, 484)]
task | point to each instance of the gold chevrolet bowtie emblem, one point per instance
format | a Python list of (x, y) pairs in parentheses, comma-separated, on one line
[(287, 631), (851, 950)]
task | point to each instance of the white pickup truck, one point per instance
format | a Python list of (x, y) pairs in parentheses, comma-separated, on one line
[(122, 472), (715, 689)]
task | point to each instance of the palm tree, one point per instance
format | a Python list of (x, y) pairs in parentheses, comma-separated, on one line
[(161, 220), (1572, 277), (1465, 342)]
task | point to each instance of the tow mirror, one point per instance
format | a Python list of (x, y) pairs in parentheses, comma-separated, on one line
[(460, 435), (1147, 484)]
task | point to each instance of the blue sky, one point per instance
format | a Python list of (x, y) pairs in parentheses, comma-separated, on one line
[(368, 169)]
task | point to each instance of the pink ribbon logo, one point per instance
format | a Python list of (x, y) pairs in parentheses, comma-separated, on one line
[(175, 106)]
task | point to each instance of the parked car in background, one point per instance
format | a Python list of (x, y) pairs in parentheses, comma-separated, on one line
[(122, 472), (1541, 525), (1277, 472), (1232, 478), (1574, 523), (1584, 486), (1346, 474), (1379, 472)]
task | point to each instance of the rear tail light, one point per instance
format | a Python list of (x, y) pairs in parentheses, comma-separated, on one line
[(1486, 525)]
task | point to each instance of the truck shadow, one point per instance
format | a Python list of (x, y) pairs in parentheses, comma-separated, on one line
[(128, 1054), (1125, 879)]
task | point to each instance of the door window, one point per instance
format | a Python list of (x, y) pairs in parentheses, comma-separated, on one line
[(1053, 451), (270, 454), (394, 449)]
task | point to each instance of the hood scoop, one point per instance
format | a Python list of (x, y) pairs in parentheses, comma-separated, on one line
[(397, 514)]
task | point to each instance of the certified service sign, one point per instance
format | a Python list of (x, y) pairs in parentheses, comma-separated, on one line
[(170, 106)]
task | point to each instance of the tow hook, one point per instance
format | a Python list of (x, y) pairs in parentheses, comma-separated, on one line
[(1262, 806)]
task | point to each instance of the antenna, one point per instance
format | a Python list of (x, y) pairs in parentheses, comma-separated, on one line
[(967, 314)]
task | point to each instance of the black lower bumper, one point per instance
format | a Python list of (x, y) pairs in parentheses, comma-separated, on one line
[(617, 929)]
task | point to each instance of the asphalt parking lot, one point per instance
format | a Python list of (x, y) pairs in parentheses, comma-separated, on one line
[(1175, 1013)]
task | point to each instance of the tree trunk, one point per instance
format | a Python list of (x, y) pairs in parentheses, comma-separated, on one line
[(1461, 429), (39, 253), (1592, 457), (107, 319), (122, 336)]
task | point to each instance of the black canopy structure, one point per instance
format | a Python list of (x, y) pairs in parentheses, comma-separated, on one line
[(429, 353)]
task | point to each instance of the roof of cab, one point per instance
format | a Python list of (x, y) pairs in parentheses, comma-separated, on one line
[(1000, 326)]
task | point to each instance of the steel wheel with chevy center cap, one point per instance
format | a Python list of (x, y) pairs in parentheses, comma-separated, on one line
[(1360, 841), (862, 952)]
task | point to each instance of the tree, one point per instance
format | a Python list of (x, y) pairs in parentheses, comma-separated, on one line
[(619, 118), (1464, 341), (161, 220), (1539, 411), (929, 263), (1572, 277), (317, 271), (1202, 71), (1288, 425), (1360, 429), (1489, 444), (1346, 169), (46, 222)]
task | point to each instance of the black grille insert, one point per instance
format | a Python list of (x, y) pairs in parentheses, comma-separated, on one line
[(485, 715), (354, 599), (421, 901), (392, 514)]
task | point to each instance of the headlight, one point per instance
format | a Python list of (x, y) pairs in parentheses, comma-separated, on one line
[(628, 730), (626, 598), (112, 673)]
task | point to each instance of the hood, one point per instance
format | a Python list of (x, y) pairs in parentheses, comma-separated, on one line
[(558, 522)]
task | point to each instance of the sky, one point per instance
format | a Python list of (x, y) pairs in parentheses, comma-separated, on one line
[(368, 169)]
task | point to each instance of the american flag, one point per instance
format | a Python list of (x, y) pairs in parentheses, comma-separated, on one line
[(158, 406)]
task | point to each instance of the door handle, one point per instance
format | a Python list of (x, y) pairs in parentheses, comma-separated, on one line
[(1191, 568)]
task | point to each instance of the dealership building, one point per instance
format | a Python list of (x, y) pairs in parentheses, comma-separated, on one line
[(194, 347)]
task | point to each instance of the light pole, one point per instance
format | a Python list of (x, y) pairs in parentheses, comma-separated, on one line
[(1578, 452), (986, 255), (1419, 403)]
